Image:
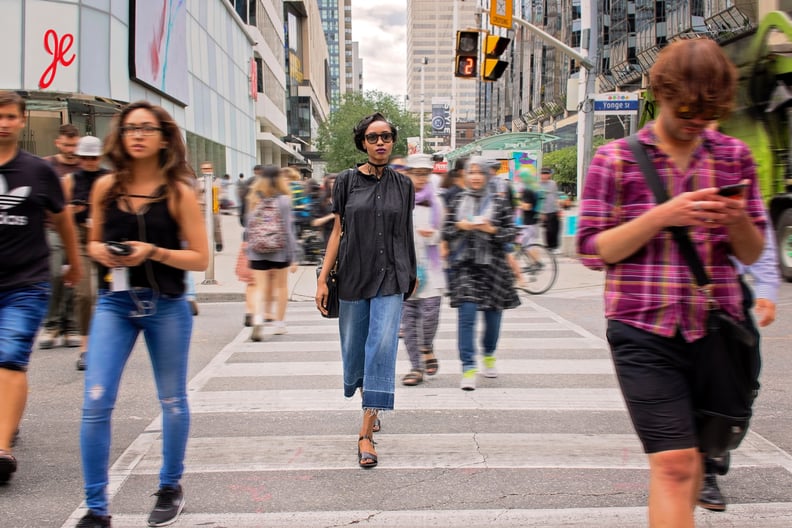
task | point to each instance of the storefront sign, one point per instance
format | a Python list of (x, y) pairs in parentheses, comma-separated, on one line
[(51, 47)]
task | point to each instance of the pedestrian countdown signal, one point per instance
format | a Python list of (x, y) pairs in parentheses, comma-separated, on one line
[(467, 51)]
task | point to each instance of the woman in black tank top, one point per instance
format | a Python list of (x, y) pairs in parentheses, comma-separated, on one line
[(146, 232)]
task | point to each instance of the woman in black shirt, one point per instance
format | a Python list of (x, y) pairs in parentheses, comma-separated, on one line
[(146, 231), (373, 205)]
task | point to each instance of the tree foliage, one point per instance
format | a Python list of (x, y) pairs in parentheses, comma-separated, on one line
[(564, 164), (335, 140)]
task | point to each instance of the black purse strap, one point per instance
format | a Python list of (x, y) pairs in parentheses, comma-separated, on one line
[(680, 233)]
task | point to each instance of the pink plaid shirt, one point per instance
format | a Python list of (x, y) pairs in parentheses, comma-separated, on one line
[(654, 289)]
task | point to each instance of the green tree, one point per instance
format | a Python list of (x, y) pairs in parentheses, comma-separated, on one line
[(564, 164), (335, 140)]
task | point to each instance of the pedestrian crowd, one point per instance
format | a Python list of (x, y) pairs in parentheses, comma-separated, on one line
[(95, 255)]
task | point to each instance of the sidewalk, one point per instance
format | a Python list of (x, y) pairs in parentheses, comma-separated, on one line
[(302, 284)]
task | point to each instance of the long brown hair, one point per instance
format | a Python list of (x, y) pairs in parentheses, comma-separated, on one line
[(172, 158)]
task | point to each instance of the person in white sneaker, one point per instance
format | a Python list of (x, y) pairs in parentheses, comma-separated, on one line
[(271, 245), (477, 228)]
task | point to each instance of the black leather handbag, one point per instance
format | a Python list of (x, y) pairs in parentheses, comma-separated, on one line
[(332, 292), (726, 379)]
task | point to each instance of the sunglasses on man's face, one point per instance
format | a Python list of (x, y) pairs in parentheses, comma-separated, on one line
[(688, 112), (386, 137)]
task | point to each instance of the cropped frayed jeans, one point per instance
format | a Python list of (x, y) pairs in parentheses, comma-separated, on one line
[(369, 331), (116, 324), (466, 333)]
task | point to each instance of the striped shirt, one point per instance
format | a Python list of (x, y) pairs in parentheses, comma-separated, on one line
[(653, 289)]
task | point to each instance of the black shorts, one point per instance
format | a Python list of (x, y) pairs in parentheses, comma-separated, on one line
[(655, 374), (264, 265)]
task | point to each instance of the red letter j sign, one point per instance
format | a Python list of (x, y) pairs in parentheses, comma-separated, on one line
[(57, 49)]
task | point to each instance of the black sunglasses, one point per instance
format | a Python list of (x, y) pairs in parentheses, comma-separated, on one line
[(386, 137)]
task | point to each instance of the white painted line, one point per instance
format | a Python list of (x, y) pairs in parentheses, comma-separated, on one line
[(490, 399), (330, 343), (334, 368), (755, 515)]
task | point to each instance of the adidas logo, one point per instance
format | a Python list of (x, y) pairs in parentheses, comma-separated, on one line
[(13, 198)]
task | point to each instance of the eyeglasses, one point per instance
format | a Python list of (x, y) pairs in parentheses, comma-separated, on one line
[(687, 112), (89, 158), (386, 137), (144, 130)]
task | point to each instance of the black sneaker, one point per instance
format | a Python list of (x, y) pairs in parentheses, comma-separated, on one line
[(91, 520), (710, 496), (170, 502)]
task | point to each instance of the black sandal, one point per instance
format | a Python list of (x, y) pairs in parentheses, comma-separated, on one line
[(365, 455), (377, 426), (430, 363), (412, 378)]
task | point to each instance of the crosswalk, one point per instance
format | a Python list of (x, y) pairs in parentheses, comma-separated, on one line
[(548, 443)]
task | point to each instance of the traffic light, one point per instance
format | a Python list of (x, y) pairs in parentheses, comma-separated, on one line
[(467, 54), (493, 67)]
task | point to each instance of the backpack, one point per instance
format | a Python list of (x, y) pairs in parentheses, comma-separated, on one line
[(265, 229)]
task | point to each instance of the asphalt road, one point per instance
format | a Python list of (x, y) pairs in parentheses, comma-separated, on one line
[(546, 444)]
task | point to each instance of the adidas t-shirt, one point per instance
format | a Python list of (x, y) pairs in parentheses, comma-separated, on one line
[(29, 187)]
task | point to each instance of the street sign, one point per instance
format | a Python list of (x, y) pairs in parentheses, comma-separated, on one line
[(501, 13), (615, 103)]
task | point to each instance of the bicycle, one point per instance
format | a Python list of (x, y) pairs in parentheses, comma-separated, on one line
[(538, 266)]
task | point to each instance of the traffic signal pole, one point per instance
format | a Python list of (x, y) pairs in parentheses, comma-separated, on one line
[(453, 110)]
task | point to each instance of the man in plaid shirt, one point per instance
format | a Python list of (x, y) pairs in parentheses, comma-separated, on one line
[(656, 315)]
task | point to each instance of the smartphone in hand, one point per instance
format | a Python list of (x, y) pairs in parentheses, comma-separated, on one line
[(119, 248), (732, 191)]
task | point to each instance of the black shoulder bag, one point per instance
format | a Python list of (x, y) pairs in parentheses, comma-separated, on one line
[(333, 303), (725, 380)]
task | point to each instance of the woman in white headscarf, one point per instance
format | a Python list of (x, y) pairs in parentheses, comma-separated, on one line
[(478, 227)]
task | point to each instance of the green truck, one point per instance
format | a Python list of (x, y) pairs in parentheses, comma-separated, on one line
[(762, 119)]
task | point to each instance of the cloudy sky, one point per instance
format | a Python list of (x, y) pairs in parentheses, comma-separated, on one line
[(380, 28)]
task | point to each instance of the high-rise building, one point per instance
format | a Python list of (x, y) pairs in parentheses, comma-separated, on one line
[(337, 25), (431, 43)]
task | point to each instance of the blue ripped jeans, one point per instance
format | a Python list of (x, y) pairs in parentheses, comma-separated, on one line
[(369, 341), (167, 326)]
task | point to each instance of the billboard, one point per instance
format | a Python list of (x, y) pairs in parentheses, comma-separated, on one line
[(158, 46)]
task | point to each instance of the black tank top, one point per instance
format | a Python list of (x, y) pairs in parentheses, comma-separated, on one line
[(155, 225)]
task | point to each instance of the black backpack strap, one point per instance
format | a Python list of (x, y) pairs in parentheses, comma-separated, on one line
[(680, 233)]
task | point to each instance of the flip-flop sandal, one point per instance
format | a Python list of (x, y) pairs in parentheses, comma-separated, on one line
[(431, 363), (377, 426), (412, 378)]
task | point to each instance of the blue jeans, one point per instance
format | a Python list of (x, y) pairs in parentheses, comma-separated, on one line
[(369, 331), (114, 329), (21, 313), (466, 333)]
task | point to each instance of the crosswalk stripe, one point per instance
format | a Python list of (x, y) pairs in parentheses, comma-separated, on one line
[(594, 399), (757, 515), (324, 368), (401, 451)]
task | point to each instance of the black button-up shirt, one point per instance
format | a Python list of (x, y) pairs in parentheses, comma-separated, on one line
[(377, 252)]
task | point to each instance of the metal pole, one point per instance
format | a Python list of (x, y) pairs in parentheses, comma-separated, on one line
[(209, 277), (586, 89), (424, 62), (452, 110)]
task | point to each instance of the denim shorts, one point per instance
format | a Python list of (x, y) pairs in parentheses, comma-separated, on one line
[(21, 313)]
